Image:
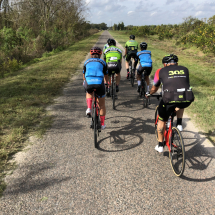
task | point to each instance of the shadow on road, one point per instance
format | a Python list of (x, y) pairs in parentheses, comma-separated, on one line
[(198, 158), (33, 180), (126, 137)]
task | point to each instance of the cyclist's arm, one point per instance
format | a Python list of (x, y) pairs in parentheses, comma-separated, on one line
[(154, 89), (106, 78), (84, 71), (126, 50)]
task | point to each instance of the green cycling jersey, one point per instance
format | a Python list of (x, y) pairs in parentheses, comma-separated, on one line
[(131, 45), (112, 54)]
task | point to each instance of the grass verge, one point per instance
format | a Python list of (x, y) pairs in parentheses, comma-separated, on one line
[(25, 95), (202, 76)]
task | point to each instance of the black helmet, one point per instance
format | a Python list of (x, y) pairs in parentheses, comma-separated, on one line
[(111, 42), (169, 58), (132, 37), (108, 40), (143, 45)]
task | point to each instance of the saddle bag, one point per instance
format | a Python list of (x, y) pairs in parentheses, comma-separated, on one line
[(179, 96)]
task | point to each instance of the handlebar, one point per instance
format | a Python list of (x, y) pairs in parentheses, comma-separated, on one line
[(158, 96)]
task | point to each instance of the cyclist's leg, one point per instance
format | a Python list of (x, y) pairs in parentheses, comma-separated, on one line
[(101, 101), (118, 76), (135, 62), (164, 113), (148, 71), (109, 82), (127, 59), (179, 113), (89, 97), (139, 77)]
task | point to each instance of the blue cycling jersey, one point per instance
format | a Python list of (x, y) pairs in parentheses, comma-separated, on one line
[(94, 70), (145, 58)]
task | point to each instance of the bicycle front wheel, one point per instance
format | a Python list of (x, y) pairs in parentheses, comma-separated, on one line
[(95, 126), (177, 152)]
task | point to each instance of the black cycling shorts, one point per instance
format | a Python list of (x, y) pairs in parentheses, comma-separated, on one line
[(165, 110), (130, 55), (113, 67), (147, 72), (100, 89)]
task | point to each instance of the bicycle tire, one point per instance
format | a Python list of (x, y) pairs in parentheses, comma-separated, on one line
[(177, 152), (156, 114), (114, 95), (95, 126)]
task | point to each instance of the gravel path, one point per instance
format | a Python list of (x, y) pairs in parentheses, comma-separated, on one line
[(64, 174)]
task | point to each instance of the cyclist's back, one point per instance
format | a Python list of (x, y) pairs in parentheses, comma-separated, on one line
[(131, 48), (145, 65), (113, 58)]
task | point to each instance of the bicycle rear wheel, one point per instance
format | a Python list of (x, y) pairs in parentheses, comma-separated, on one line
[(156, 115), (177, 153), (95, 126)]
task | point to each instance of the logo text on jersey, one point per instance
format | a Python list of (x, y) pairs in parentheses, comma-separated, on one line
[(176, 72)]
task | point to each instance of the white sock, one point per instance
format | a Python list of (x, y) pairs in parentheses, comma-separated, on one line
[(148, 88), (138, 83)]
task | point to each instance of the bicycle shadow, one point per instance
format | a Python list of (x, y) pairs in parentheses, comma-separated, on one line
[(126, 137), (198, 158)]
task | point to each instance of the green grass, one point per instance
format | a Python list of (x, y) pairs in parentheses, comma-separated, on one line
[(202, 76), (25, 94)]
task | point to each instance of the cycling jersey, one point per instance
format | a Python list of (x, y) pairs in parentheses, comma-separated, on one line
[(144, 57), (112, 54), (131, 45), (105, 46), (94, 70), (176, 85)]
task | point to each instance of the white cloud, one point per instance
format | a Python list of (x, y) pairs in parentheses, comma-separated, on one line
[(144, 12), (130, 12), (198, 13), (152, 14)]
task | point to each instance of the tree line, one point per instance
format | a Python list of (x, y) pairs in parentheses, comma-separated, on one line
[(192, 31), (28, 28)]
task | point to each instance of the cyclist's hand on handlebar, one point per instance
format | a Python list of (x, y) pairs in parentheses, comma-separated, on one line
[(147, 95)]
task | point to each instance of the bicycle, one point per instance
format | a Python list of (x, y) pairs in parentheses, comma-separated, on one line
[(143, 90), (95, 123), (131, 71), (174, 142)]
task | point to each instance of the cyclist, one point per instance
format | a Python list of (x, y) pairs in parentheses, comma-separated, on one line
[(144, 56), (176, 92), (131, 48), (106, 45), (113, 58), (94, 72)]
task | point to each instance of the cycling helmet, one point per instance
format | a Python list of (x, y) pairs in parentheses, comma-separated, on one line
[(111, 42), (169, 58), (108, 40), (132, 37), (95, 50), (143, 45)]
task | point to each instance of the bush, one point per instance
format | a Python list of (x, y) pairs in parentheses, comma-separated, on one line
[(10, 66)]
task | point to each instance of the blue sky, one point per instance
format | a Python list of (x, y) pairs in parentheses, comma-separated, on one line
[(147, 12)]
